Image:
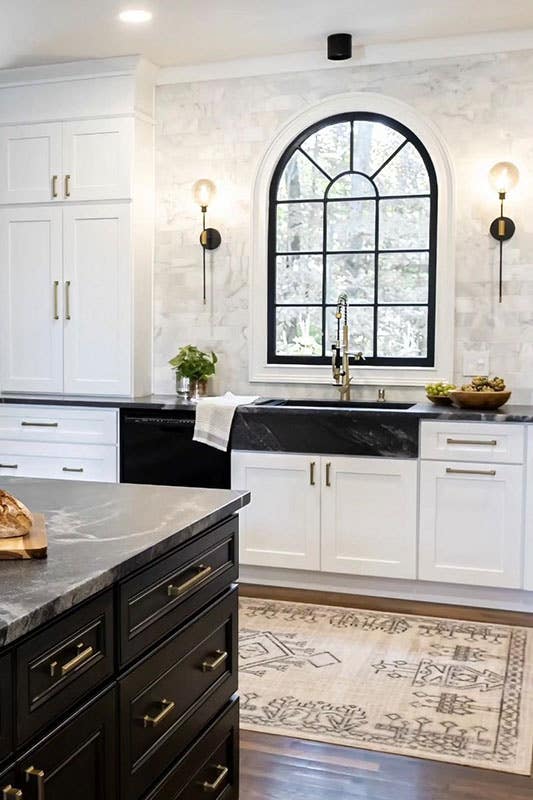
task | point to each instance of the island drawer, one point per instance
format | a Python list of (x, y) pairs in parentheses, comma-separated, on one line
[(168, 699), (58, 666), (502, 443), (41, 423), (160, 598), (210, 768), (6, 733), (81, 462)]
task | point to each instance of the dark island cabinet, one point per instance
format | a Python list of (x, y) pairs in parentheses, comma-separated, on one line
[(132, 693)]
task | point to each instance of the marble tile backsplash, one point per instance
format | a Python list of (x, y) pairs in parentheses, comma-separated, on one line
[(483, 106)]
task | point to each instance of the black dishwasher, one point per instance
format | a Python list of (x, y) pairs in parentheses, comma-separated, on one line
[(157, 447)]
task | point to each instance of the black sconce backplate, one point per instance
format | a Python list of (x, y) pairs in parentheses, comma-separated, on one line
[(508, 228), (210, 239)]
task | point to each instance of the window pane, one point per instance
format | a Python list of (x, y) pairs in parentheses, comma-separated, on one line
[(402, 332), (353, 274), (330, 148), (301, 180), (373, 143), (403, 277), (361, 322), (405, 174), (299, 332), (352, 186), (299, 279), (299, 227), (351, 225), (404, 224)]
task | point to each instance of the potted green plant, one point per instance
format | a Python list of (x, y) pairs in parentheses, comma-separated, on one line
[(196, 366)]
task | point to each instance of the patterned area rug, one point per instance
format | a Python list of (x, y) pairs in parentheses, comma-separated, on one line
[(418, 686)]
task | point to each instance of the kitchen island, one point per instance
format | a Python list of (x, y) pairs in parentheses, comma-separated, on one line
[(118, 653)]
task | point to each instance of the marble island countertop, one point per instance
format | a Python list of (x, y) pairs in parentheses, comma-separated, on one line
[(98, 532)]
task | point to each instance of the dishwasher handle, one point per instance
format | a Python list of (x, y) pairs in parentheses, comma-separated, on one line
[(175, 422)]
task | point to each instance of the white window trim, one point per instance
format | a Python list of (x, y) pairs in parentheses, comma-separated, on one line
[(263, 372)]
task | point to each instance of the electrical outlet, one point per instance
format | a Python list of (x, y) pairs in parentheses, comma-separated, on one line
[(476, 362)]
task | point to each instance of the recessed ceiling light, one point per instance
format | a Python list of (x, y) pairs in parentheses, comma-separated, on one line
[(135, 15)]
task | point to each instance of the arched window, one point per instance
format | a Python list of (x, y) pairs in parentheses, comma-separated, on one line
[(353, 208)]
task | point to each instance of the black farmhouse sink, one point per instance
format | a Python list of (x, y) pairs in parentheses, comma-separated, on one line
[(348, 404)]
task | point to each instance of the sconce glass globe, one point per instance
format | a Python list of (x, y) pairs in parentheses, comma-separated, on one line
[(204, 192), (503, 177)]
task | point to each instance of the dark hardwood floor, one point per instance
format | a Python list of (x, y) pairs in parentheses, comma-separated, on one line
[(280, 768)]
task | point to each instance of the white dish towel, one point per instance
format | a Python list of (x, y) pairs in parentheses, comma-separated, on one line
[(214, 418)]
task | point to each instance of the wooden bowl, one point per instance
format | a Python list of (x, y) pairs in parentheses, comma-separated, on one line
[(480, 400), (440, 399)]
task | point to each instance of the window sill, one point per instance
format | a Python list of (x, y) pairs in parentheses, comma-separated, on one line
[(368, 376)]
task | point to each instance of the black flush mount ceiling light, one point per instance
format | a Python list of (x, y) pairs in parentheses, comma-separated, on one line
[(339, 46), (203, 192), (502, 177)]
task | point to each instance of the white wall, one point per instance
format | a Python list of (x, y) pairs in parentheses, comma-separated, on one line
[(483, 105)]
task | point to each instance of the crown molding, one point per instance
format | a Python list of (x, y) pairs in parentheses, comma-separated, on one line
[(363, 55), (72, 70)]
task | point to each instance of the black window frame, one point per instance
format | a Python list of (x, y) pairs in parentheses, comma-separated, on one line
[(379, 361)]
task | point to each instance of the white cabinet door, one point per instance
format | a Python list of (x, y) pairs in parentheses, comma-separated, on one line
[(97, 290), (369, 516), (281, 526), (31, 356), (97, 159), (30, 163), (471, 523)]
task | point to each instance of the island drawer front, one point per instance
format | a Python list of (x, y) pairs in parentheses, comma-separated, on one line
[(81, 462), (167, 699), (6, 733), (41, 423), (166, 594), (502, 443), (58, 666), (205, 764)]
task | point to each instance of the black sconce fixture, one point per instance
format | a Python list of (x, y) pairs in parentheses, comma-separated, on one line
[(502, 177), (203, 192), (339, 46)]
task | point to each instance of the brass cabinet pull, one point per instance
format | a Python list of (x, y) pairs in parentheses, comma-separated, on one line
[(151, 722), (203, 572), (82, 656), (212, 787), (67, 185), (54, 185), (452, 471), (9, 466), (67, 300), (312, 466), (328, 473), (9, 792), (489, 443), (39, 424), (211, 664), (56, 300), (72, 469), (38, 775)]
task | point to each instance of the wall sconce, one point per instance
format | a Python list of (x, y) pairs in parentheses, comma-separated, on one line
[(203, 192), (502, 177)]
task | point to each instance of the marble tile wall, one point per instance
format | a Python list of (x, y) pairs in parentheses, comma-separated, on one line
[(483, 105)]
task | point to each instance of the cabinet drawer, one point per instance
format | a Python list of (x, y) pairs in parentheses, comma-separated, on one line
[(210, 768), (80, 462), (478, 441), (58, 424), (161, 597), (57, 667), (167, 700), (6, 734)]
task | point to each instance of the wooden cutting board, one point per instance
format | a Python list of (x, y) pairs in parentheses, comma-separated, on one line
[(33, 545)]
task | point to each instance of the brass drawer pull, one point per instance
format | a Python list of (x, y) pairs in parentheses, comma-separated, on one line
[(72, 469), (67, 185), (40, 424), (210, 665), (9, 466), (152, 722), (79, 659), (212, 787), (312, 466), (38, 774), (54, 185), (56, 309), (451, 471), (328, 473), (489, 443), (67, 300), (9, 792), (201, 575)]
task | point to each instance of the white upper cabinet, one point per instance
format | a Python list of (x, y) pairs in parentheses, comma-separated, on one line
[(97, 159), (30, 163), (30, 285), (97, 256)]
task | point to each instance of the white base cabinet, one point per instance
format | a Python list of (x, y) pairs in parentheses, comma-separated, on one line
[(335, 514)]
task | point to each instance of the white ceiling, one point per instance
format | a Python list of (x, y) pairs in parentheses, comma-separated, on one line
[(201, 31)]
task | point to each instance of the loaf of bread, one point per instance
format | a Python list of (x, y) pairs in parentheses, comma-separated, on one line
[(15, 518)]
